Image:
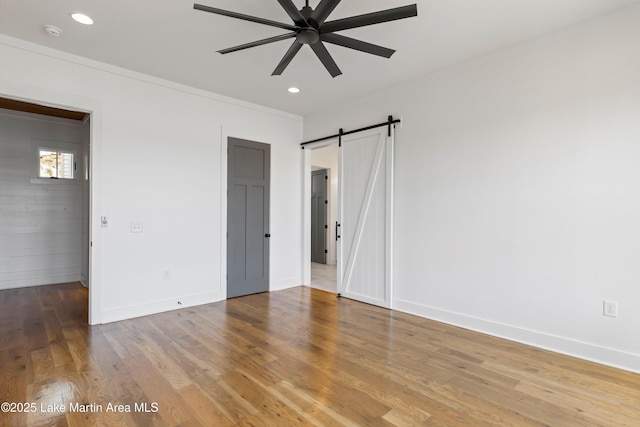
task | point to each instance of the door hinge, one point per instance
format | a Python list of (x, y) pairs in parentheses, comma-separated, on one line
[(326, 202), (326, 177), (326, 226), (326, 251)]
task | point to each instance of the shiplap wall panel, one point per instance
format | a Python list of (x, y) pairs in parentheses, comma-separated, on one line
[(41, 224)]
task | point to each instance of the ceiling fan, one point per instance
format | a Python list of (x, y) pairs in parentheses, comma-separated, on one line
[(309, 27)]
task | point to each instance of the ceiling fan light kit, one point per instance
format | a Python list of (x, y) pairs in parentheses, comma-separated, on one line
[(309, 27)]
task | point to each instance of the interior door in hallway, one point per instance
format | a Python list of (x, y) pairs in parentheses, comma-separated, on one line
[(319, 216), (366, 184), (247, 217)]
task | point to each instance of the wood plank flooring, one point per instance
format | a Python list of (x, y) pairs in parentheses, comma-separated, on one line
[(294, 357)]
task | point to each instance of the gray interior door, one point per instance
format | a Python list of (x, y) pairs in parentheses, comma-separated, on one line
[(319, 216), (247, 218)]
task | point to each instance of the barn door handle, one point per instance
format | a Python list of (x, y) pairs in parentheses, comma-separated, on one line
[(267, 235), (337, 230)]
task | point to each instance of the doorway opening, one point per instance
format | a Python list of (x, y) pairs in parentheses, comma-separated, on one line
[(46, 191), (324, 217)]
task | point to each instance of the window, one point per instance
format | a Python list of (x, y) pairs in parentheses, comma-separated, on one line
[(56, 164)]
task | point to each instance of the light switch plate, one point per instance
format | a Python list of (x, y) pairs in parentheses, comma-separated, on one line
[(610, 308)]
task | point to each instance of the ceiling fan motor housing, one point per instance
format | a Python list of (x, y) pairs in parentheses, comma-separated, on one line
[(308, 34)]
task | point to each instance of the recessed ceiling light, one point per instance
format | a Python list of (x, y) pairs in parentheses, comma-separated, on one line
[(82, 18), (52, 30), (294, 90)]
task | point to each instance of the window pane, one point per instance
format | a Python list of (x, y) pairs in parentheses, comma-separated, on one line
[(56, 164), (48, 164)]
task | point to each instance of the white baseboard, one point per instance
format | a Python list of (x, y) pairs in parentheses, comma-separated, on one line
[(570, 347), (38, 281), (155, 307)]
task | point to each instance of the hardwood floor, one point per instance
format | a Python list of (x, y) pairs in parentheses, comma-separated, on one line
[(298, 356)]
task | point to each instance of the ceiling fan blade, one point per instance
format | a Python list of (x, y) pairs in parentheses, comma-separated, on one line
[(257, 43), (244, 17), (293, 51), (343, 41), (321, 12), (293, 12), (323, 54), (370, 19)]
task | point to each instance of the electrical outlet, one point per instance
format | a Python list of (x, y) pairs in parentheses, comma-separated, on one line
[(166, 275), (610, 308)]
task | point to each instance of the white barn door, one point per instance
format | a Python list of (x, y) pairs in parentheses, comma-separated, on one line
[(365, 212)]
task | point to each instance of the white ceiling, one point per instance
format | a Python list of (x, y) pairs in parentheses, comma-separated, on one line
[(168, 39)]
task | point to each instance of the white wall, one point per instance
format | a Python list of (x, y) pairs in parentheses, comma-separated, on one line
[(159, 158), (327, 158), (517, 191), (40, 220)]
